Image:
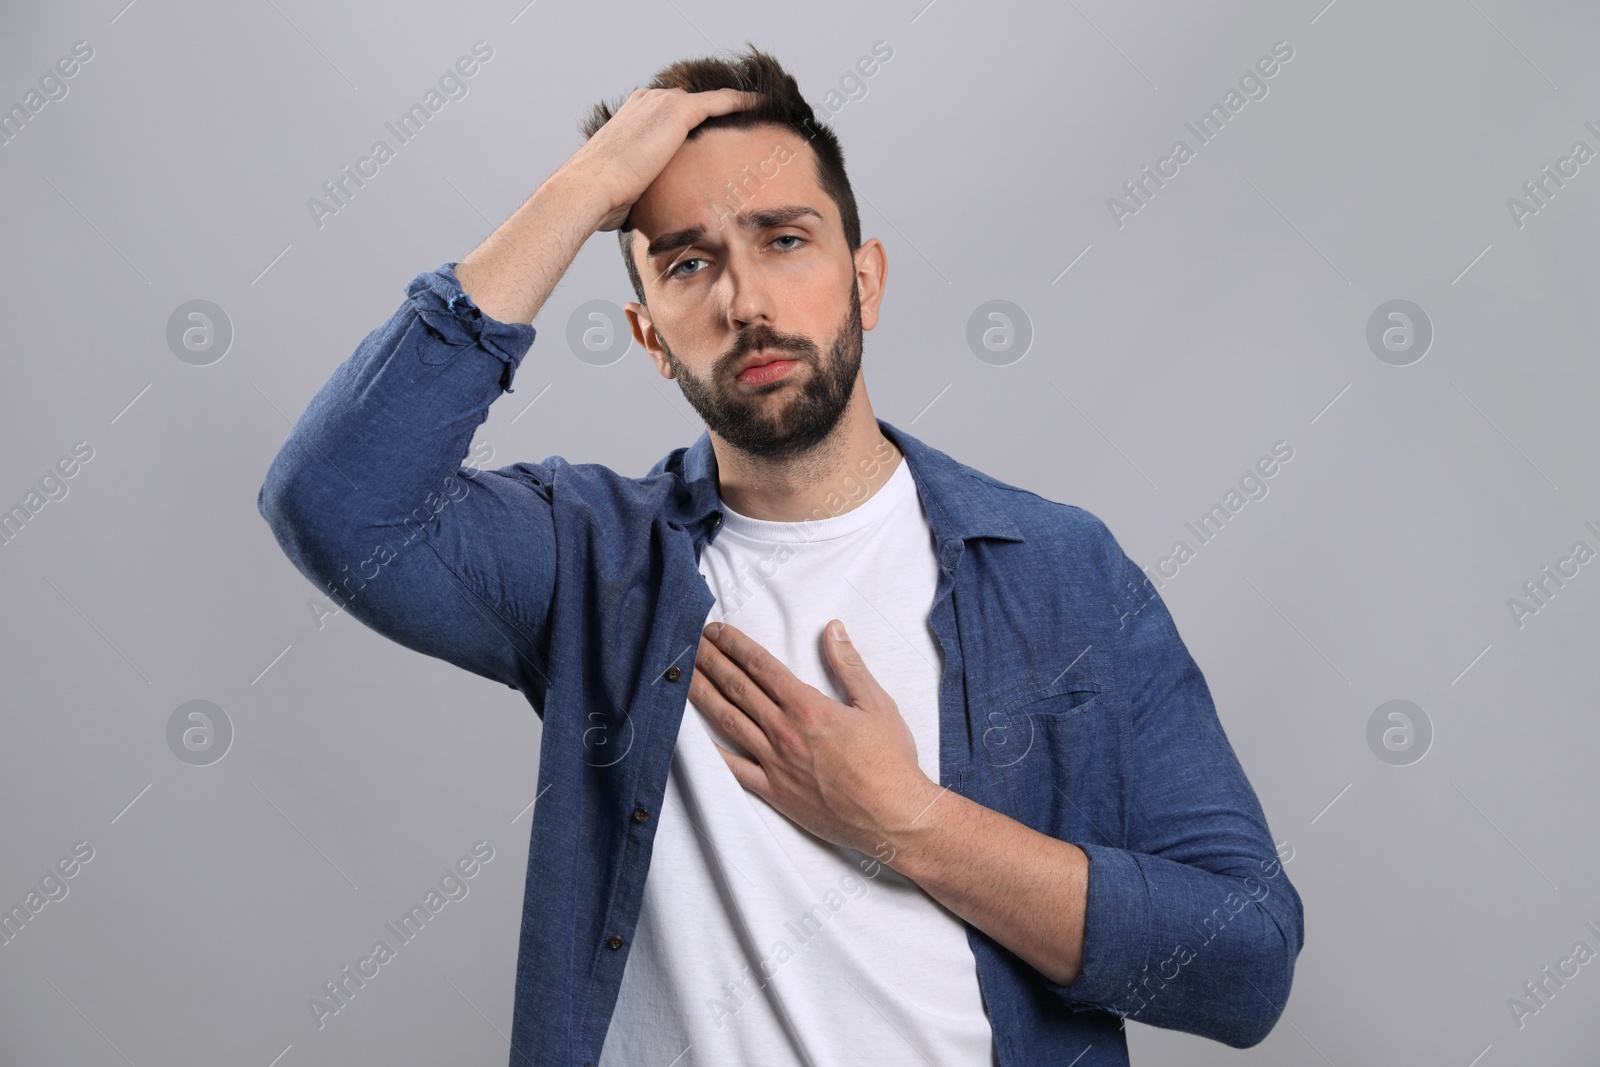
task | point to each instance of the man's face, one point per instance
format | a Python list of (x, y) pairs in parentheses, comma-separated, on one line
[(742, 254)]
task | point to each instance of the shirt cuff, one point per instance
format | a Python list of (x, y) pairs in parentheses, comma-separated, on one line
[(452, 316), (1116, 930)]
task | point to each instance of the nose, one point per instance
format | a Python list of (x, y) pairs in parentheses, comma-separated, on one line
[(749, 299)]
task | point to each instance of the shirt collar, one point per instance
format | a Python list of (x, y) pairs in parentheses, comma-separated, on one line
[(958, 499)]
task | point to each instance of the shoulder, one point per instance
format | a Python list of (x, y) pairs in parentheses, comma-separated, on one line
[(1052, 524), (1071, 550), (1048, 536)]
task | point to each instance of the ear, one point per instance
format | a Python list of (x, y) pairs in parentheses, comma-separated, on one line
[(872, 268), (644, 332)]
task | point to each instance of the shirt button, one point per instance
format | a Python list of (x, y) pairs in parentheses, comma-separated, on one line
[(674, 672), (640, 815), (614, 941)]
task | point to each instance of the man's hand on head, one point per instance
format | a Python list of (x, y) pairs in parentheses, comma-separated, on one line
[(513, 271), (635, 145)]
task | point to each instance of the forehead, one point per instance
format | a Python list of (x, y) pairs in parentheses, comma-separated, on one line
[(723, 171)]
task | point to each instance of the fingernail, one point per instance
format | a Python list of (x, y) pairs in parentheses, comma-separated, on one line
[(838, 631)]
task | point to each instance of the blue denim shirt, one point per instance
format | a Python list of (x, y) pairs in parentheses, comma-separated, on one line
[(1067, 699)]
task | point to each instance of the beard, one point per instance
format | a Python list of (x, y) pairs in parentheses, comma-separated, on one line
[(740, 416)]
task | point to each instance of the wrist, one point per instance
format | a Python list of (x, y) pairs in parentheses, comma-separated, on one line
[(576, 194), (912, 820)]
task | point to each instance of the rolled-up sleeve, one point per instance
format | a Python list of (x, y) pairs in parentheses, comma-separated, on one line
[(370, 500), (1194, 925)]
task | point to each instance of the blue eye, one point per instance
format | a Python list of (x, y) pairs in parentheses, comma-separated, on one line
[(789, 237), (677, 270)]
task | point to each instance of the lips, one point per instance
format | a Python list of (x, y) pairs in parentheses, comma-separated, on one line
[(761, 359)]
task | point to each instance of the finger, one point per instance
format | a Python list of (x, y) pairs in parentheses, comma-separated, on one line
[(711, 103), (859, 684), (728, 717), (747, 773), (735, 683), (768, 673), (725, 101)]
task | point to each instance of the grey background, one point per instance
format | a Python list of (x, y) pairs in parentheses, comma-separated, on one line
[(1228, 314)]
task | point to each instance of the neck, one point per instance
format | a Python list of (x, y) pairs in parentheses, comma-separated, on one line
[(838, 475)]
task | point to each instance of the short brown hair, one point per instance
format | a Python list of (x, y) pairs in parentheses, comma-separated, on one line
[(754, 71)]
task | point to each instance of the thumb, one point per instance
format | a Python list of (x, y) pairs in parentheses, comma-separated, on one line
[(859, 684)]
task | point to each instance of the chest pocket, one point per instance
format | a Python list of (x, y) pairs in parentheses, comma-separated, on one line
[(1055, 756), (1011, 726)]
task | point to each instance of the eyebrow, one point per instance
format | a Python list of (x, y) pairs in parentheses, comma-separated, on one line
[(759, 220)]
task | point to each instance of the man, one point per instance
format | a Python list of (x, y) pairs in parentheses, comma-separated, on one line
[(988, 818)]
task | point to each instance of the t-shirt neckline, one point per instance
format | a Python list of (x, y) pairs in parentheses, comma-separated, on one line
[(824, 527)]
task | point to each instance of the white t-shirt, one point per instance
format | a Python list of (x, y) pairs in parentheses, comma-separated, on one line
[(759, 942)]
